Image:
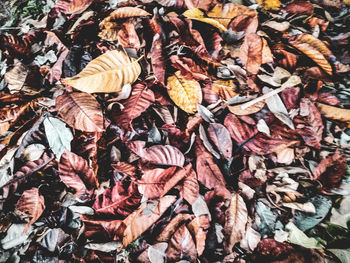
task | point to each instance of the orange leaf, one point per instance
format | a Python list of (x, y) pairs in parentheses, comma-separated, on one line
[(334, 113), (171, 227), (72, 6)]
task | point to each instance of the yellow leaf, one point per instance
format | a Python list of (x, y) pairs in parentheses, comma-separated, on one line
[(224, 13), (224, 88), (197, 14), (269, 4), (185, 93), (107, 73)]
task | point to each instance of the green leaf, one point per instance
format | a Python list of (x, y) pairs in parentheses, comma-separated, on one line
[(342, 254), (267, 219), (58, 135), (297, 237), (304, 221)]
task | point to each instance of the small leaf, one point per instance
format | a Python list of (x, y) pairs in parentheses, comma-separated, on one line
[(58, 135), (185, 93)]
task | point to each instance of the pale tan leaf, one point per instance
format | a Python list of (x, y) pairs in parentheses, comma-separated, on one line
[(197, 14), (107, 73)]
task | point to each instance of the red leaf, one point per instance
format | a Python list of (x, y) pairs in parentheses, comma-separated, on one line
[(31, 204), (270, 249), (141, 98), (208, 172), (101, 229), (72, 6), (300, 8), (199, 228), (128, 37), (331, 170), (190, 187), (122, 199), (310, 125), (75, 172), (158, 154)]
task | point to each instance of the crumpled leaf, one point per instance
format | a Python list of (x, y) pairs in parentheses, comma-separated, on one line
[(106, 74), (185, 93)]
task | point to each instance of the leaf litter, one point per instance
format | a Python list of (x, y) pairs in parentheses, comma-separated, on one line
[(174, 131)]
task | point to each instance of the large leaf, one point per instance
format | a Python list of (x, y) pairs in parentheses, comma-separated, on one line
[(146, 215), (235, 222), (31, 205), (184, 92), (141, 98), (81, 111), (58, 135), (158, 154), (107, 73), (298, 237), (75, 172)]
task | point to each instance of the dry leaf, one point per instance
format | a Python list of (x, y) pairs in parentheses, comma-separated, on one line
[(197, 14), (334, 113), (185, 93), (81, 111), (107, 73), (251, 53)]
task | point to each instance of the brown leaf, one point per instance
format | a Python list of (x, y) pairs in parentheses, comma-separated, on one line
[(102, 229), (190, 187), (145, 216), (128, 37), (334, 113), (122, 199), (72, 6), (158, 154), (310, 125), (182, 246), (171, 227), (331, 170), (31, 204), (235, 222), (251, 53), (270, 249), (256, 107), (75, 172), (124, 12), (300, 8), (199, 228), (208, 172), (314, 49), (221, 138), (81, 111), (141, 98)]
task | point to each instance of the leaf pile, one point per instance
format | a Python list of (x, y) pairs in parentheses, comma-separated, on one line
[(175, 131)]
